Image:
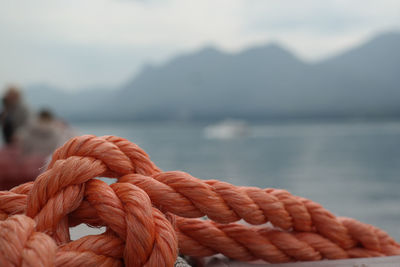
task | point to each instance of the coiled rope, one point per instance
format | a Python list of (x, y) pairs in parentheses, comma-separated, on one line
[(149, 215)]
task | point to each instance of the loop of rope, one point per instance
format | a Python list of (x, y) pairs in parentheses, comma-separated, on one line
[(149, 213), (26, 246)]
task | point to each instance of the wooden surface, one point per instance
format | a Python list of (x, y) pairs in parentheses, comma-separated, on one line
[(393, 261)]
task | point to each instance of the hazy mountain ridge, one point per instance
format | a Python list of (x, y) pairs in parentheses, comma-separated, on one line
[(260, 82)]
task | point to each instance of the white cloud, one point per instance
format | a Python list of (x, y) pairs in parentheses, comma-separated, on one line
[(80, 43)]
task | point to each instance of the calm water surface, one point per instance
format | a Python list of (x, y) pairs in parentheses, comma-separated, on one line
[(352, 169)]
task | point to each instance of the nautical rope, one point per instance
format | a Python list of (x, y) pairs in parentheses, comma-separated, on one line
[(149, 215)]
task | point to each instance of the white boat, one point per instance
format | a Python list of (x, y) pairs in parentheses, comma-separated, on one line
[(227, 129)]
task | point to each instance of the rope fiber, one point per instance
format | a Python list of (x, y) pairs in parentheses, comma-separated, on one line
[(149, 215)]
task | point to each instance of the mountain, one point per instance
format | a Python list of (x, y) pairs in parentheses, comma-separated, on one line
[(364, 79), (261, 82), (206, 83)]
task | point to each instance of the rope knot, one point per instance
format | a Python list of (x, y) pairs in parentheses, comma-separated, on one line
[(148, 214)]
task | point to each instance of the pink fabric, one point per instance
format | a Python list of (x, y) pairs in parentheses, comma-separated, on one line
[(16, 168)]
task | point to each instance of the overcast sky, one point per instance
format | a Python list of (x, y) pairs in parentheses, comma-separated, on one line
[(83, 43)]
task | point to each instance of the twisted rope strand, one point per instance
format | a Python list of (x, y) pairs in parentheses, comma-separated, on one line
[(149, 232), (139, 158), (225, 199), (21, 245), (86, 258), (11, 203), (301, 218), (94, 147), (59, 191), (328, 225)]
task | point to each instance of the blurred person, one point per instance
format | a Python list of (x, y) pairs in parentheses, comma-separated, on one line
[(32, 145), (43, 135), (15, 113), (15, 167)]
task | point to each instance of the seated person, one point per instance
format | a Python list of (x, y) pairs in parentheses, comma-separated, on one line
[(43, 135)]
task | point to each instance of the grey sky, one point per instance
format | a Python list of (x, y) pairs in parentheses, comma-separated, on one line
[(83, 43)]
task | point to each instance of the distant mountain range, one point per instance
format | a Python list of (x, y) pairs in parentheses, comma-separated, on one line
[(258, 83)]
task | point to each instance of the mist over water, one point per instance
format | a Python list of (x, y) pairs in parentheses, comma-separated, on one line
[(351, 168)]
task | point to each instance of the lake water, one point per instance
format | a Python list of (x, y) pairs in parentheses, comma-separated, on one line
[(351, 168)]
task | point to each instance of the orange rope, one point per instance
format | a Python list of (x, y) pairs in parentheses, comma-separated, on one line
[(148, 214)]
